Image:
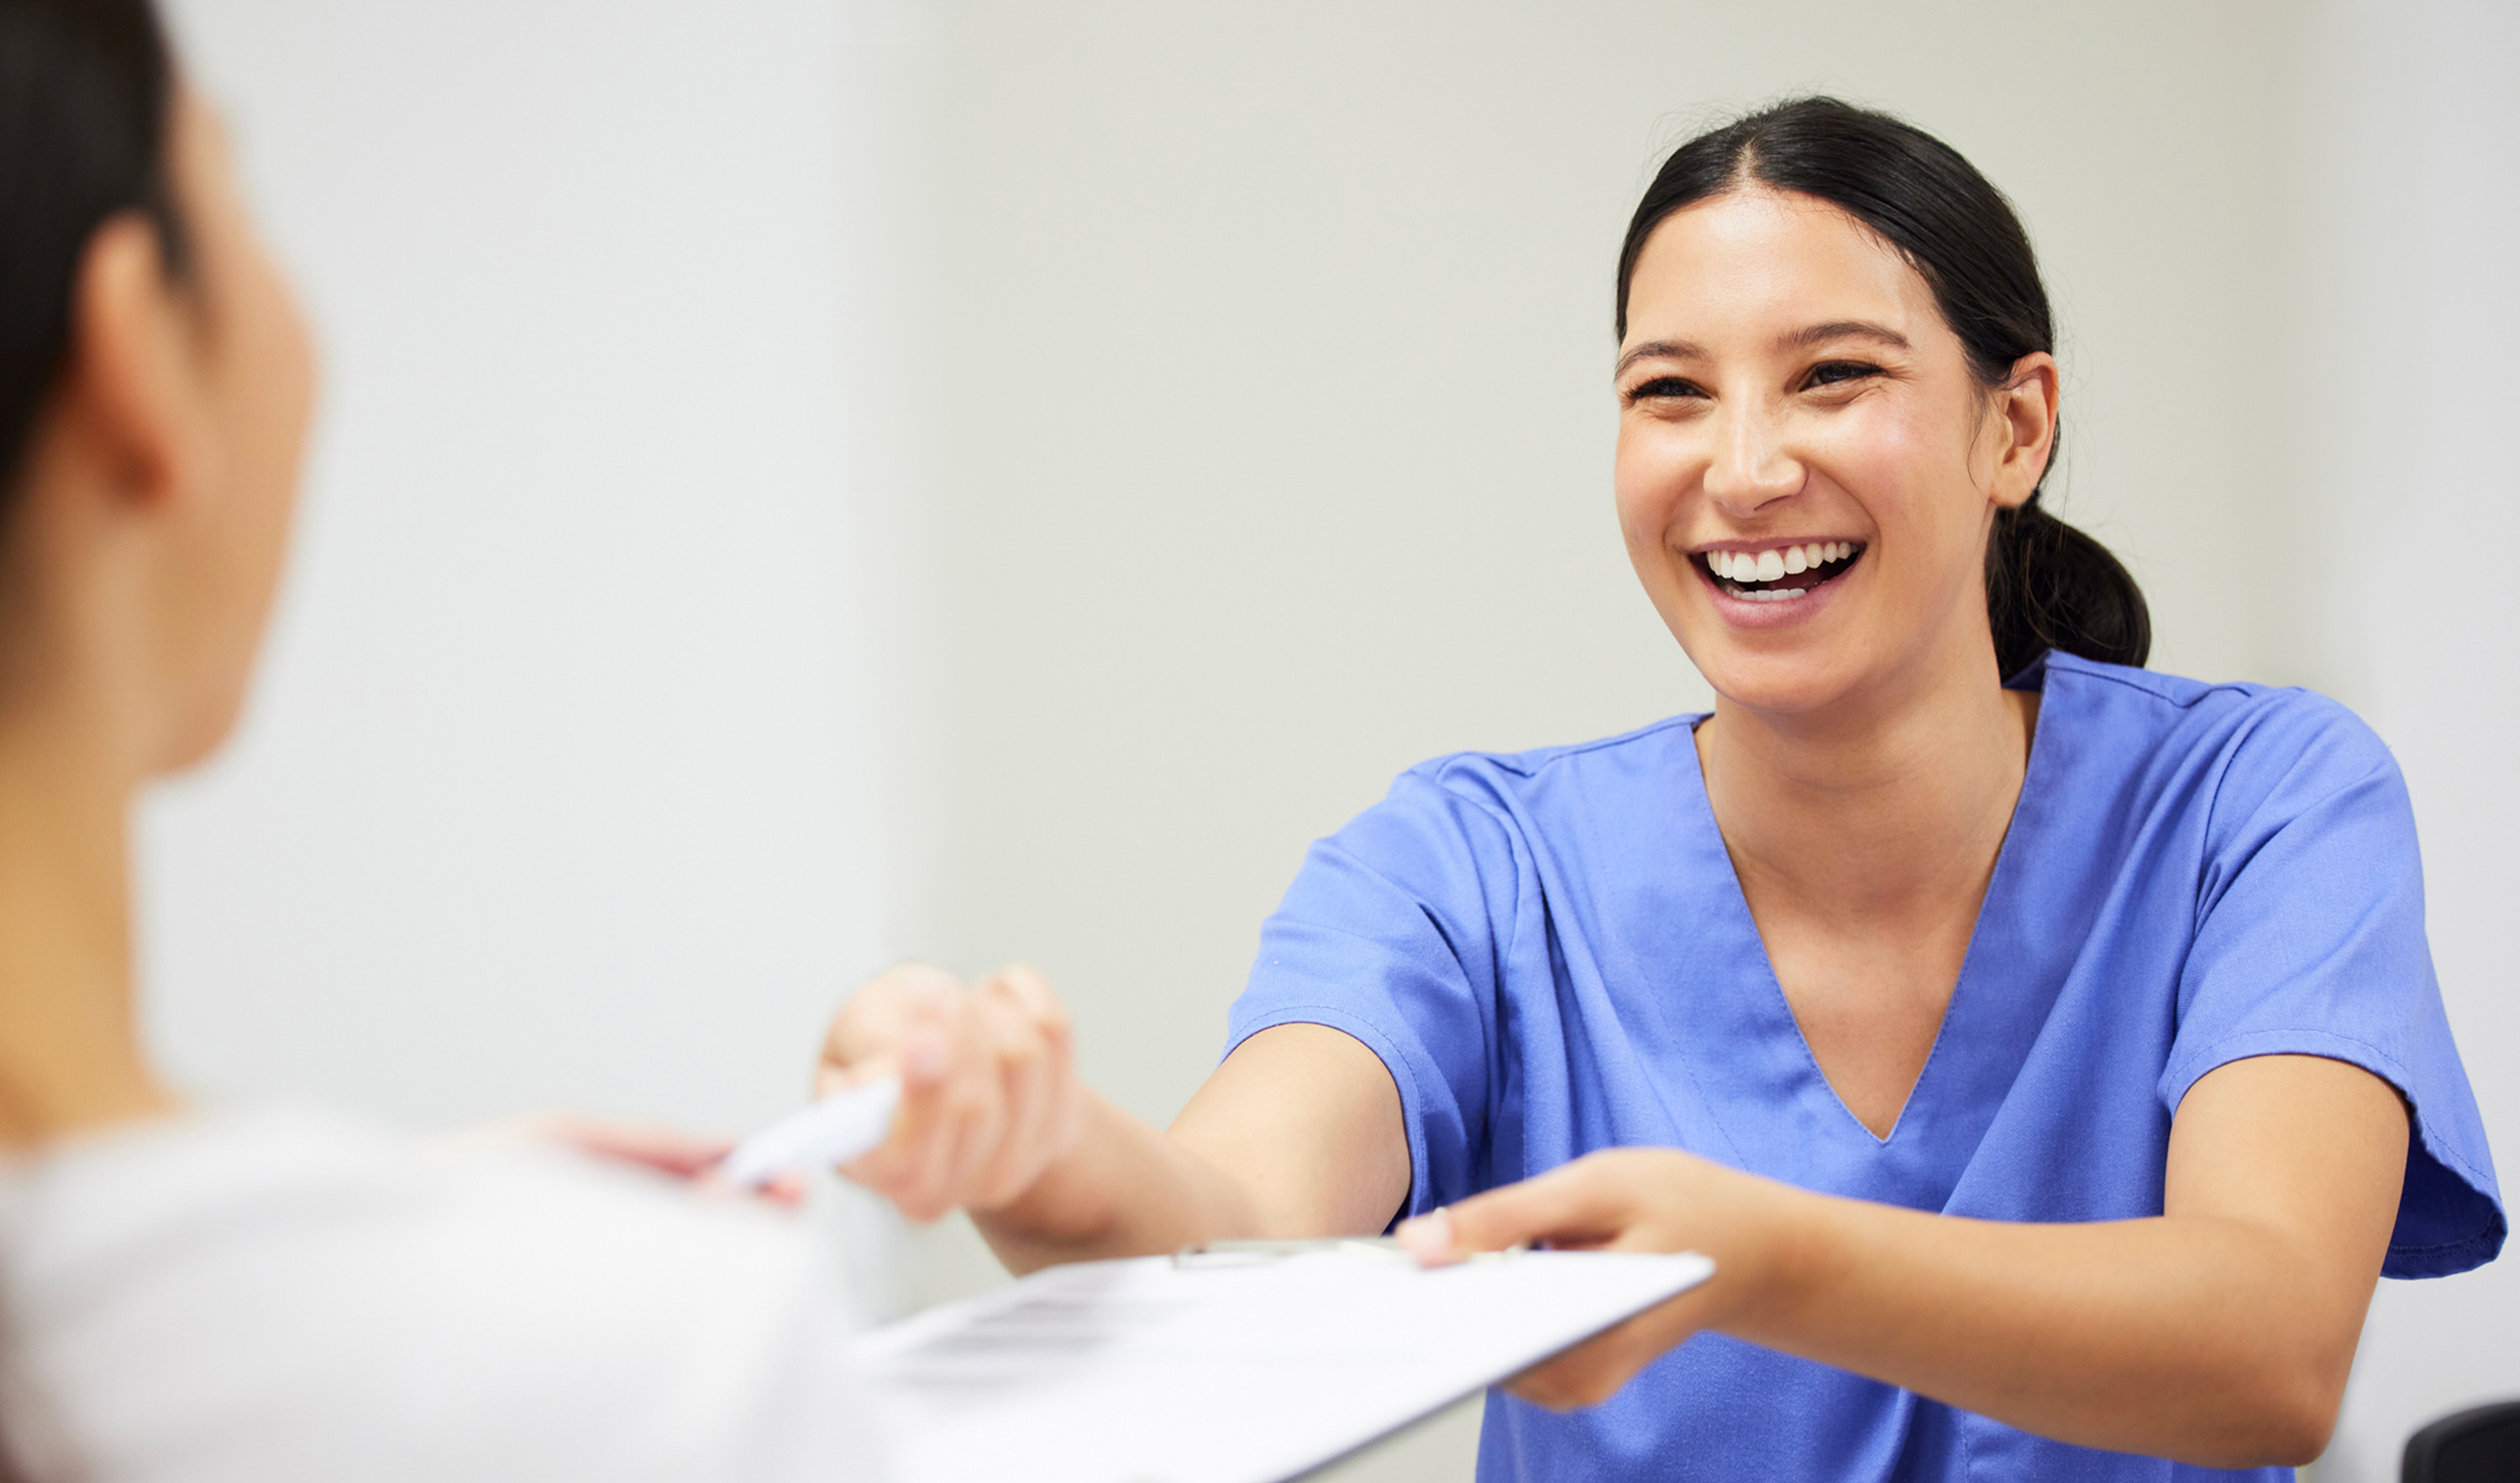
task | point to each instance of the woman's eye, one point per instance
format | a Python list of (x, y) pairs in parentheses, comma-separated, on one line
[(1836, 373), (1662, 386)]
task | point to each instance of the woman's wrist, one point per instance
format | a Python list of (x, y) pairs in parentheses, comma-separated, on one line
[(1776, 1251), (1072, 1196), (1118, 1189)]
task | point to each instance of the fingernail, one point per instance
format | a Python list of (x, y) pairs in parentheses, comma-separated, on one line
[(1427, 1238)]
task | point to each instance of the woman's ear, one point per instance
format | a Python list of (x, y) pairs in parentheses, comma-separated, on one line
[(2023, 428), (130, 395)]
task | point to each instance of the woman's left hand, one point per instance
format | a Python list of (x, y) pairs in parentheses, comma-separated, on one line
[(1621, 1200), (2218, 1332)]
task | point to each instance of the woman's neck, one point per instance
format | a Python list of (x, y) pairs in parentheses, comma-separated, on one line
[(69, 1049), (1880, 809)]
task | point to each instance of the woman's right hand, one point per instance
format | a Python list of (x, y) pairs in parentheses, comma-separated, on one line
[(990, 1097)]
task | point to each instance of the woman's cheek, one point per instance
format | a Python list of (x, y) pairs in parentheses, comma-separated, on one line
[(1649, 479), (1868, 450)]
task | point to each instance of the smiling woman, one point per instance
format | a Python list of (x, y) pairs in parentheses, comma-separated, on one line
[(2048, 585), (2047, 1050)]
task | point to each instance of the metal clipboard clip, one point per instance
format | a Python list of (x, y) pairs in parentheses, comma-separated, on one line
[(1251, 1252)]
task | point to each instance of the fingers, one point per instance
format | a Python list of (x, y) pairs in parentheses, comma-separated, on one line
[(948, 1113), (1042, 1094), (1577, 1205), (690, 1158), (865, 1036), (1631, 1199), (989, 1091), (1592, 1371), (1430, 1238), (666, 1151)]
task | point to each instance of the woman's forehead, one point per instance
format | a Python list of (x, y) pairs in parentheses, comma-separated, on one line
[(1758, 260)]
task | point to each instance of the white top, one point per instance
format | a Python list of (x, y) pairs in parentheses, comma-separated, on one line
[(278, 1296)]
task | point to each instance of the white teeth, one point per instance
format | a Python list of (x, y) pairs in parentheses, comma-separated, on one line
[(1776, 594), (1776, 564)]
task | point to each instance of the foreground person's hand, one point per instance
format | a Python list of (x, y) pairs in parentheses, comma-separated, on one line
[(690, 1158), (1620, 1199), (989, 1091)]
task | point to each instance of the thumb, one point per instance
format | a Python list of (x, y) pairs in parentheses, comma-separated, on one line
[(1567, 1206)]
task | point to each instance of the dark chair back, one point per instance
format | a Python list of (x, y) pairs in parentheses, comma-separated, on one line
[(2480, 1446)]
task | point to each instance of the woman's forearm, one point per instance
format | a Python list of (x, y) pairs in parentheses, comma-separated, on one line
[(2195, 1337), (1297, 1134), (2219, 1332), (1124, 1189)]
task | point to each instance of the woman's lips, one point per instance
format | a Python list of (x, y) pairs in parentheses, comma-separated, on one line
[(1776, 585)]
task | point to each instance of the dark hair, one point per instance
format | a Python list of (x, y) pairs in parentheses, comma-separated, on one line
[(2048, 585), (86, 88)]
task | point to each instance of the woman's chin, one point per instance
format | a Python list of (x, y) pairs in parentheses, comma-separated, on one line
[(196, 736), (1805, 681)]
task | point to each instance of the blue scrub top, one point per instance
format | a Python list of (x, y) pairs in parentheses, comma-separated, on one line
[(1552, 955)]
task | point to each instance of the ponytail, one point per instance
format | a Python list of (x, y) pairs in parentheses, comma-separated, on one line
[(2048, 585)]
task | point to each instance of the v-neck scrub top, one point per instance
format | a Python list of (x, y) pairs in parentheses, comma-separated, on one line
[(1552, 955)]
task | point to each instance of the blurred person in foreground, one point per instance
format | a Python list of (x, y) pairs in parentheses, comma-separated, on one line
[(205, 1294)]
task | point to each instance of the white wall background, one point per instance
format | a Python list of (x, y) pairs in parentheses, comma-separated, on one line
[(2409, 130), (556, 787), (807, 481)]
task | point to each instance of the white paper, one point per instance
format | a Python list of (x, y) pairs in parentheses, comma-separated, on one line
[(1145, 1371)]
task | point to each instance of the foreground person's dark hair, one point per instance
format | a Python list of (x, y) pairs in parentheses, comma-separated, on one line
[(2048, 585), (86, 88)]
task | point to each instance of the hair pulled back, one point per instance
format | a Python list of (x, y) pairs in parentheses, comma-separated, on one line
[(86, 88), (2048, 585)]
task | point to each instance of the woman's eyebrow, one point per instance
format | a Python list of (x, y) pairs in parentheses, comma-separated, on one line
[(1843, 328), (1803, 338), (1661, 349)]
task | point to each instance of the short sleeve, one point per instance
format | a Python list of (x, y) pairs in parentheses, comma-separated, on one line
[(1391, 933), (2310, 940)]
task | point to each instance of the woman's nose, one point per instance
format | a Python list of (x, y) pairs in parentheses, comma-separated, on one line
[(1752, 467)]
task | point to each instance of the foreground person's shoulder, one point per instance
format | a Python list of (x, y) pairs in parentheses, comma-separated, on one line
[(290, 1295)]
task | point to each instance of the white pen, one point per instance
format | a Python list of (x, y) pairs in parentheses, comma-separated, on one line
[(843, 1126)]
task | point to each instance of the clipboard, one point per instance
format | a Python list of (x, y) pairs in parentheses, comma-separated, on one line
[(1253, 1366)]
